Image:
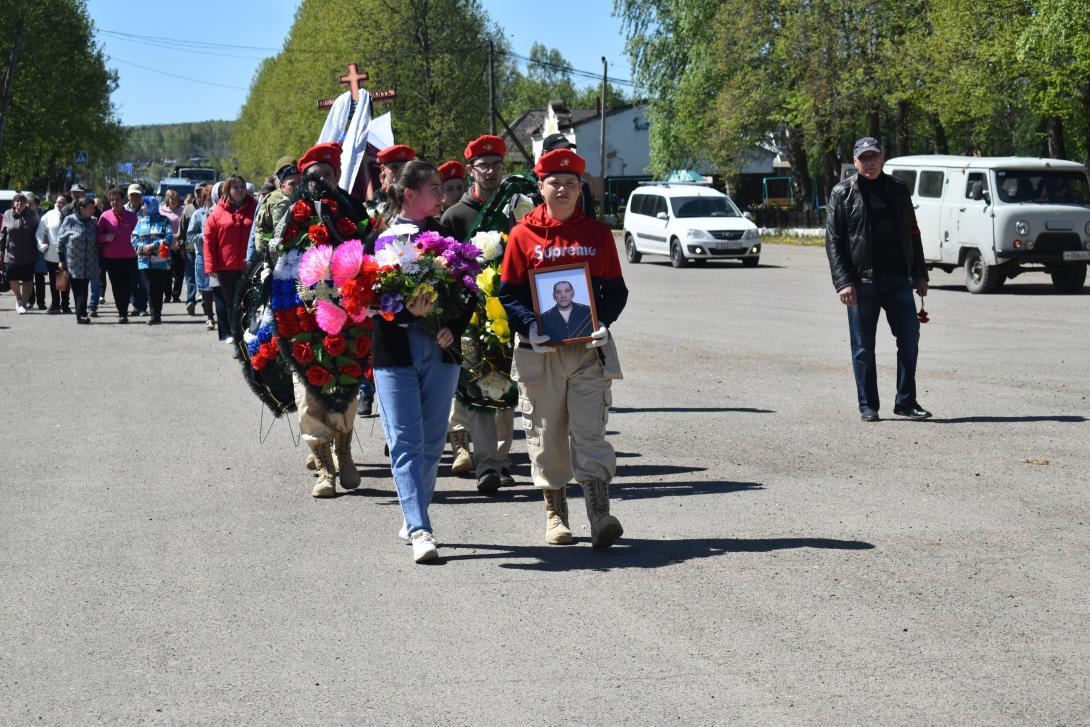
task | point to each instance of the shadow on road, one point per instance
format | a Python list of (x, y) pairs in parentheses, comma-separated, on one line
[(1014, 289), (1062, 418), (635, 552), (650, 470), (689, 409), (647, 490)]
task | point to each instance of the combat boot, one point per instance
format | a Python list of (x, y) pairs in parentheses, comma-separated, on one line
[(312, 462), (346, 468), (326, 484), (604, 528), (557, 531), (463, 460)]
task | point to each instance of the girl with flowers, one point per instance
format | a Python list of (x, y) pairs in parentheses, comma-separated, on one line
[(426, 292), (153, 240)]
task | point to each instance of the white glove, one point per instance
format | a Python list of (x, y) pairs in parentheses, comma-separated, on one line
[(537, 341), (598, 338)]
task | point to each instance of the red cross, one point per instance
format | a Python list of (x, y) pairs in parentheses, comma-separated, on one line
[(352, 80)]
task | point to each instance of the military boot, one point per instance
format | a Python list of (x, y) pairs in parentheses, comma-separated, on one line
[(326, 484), (312, 462), (346, 468), (556, 517), (463, 460), (604, 528)]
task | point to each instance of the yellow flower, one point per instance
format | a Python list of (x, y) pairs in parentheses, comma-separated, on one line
[(473, 320), (426, 289), (493, 308), (486, 281), (501, 329)]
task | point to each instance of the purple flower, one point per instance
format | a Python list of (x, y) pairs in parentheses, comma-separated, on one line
[(431, 241), (384, 241), (470, 282), (391, 303)]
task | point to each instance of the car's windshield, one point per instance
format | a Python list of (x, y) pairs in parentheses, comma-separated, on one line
[(1043, 187), (703, 207)]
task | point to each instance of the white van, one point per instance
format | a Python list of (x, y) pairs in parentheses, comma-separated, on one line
[(998, 217), (688, 222)]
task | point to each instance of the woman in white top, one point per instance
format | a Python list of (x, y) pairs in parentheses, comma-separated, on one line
[(49, 227)]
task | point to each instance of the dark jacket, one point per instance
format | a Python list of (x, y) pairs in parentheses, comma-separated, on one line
[(390, 339), (847, 237), (578, 324), (18, 237), (77, 246), (460, 216)]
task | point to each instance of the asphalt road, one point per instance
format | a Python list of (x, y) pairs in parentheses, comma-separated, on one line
[(783, 563)]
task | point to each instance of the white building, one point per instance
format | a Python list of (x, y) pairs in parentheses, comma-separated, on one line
[(628, 146)]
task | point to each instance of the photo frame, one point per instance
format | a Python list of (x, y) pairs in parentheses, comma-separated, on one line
[(550, 297)]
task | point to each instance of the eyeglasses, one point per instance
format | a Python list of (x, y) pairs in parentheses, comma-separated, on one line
[(486, 167)]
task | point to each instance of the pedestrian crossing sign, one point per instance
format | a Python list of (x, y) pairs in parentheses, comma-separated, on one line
[(81, 158)]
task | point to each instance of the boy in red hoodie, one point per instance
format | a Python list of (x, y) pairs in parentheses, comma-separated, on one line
[(565, 389)]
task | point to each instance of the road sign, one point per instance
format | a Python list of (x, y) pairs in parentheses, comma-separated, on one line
[(81, 158)]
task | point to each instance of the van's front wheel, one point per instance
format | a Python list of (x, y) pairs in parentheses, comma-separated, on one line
[(979, 277), (1069, 278), (677, 255)]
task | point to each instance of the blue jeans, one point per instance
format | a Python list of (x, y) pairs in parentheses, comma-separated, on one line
[(190, 279), (414, 402), (893, 294)]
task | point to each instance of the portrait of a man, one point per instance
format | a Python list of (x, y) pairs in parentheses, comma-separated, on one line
[(567, 319)]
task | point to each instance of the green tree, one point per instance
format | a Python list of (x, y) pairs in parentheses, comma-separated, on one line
[(60, 100), (434, 52)]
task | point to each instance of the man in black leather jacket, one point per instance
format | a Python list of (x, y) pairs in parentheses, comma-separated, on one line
[(876, 259)]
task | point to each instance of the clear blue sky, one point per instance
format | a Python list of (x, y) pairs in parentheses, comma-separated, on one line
[(582, 31)]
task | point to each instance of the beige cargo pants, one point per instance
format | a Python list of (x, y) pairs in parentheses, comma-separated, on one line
[(490, 430), (317, 425), (565, 398)]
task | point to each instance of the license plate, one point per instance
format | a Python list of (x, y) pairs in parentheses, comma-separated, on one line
[(730, 246), (1077, 255)]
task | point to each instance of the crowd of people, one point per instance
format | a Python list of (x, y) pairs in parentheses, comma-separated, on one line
[(148, 250)]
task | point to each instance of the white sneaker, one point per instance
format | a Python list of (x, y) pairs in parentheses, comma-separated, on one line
[(404, 532), (424, 548), (21, 309), (229, 340)]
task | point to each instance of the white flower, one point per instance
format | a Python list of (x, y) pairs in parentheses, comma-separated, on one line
[(287, 265), (405, 228), (489, 243), (397, 253)]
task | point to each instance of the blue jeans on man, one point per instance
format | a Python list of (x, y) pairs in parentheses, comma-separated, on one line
[(893, 294), (414, 402)]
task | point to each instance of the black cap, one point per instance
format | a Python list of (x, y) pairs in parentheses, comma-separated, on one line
[(867, 143), (288, 170), (556, 141)]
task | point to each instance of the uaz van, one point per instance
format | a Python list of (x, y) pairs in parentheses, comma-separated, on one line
[(688, 222), (998, 217)]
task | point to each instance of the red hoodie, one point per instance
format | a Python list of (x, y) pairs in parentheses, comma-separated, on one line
[(226, 235), (539, 241)]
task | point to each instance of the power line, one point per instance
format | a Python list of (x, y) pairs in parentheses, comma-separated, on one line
[(175, 75)]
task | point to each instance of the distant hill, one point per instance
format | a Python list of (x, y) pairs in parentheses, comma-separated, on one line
[(209, 140)]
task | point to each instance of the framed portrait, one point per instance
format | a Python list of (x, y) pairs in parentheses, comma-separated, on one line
[(563, 303)]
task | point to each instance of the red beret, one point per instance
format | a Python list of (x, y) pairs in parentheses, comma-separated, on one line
[(560, 161), (485, 145), (396, 153), (328, 153), (451, 170)]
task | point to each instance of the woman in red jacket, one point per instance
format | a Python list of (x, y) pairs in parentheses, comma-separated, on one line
[(226, 234)]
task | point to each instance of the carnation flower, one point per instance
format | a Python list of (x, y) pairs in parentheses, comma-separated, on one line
[(346, 261), (331, 318), (315, 264)]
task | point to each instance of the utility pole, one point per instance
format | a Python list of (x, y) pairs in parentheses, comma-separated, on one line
[(602, 132), (491, 89), (9, 78)]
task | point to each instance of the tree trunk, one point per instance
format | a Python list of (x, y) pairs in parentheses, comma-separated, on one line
[(902, 128), (1057, 149), (942, 146), (874, 124), (829, 166), (800, 167)]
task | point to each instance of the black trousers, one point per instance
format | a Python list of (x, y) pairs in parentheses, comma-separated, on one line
[(122, 272), (79, 291), (177, 271), (229, 280), (57, 300), (37, 295), (158, 285)]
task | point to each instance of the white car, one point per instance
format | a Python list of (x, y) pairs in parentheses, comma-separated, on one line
[(998, 217), (688, 222)]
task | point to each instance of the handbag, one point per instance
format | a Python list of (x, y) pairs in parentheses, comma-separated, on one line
[(62, 280)]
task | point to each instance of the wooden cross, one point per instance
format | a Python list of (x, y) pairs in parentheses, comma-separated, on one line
[(352, 80)]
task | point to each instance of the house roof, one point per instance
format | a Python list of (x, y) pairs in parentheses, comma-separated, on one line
[(523, 127)]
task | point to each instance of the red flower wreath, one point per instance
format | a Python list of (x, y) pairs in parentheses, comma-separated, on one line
[(302, 352), (318, 376), (300, 212), (353, 369), (318, 234), (335, 345)]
